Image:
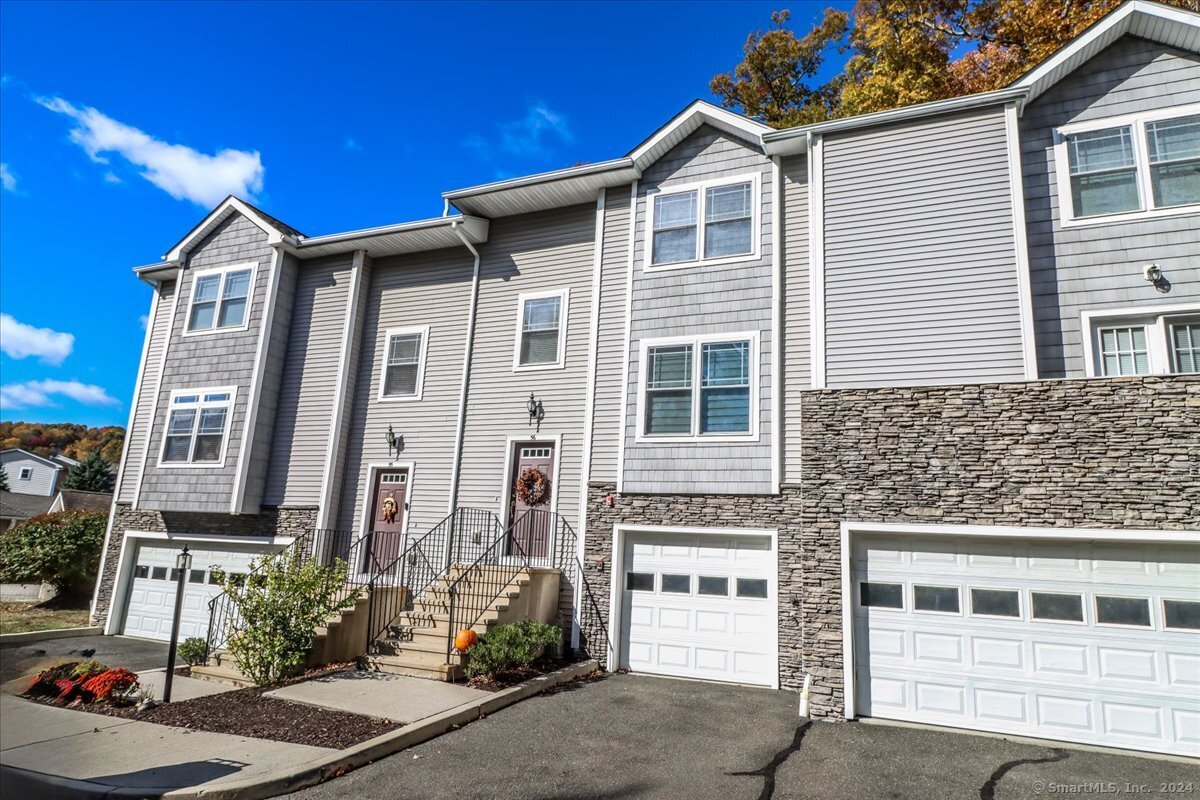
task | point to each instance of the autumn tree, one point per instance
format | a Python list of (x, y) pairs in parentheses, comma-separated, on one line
[(900, 52), (92, 475), (70, 439)]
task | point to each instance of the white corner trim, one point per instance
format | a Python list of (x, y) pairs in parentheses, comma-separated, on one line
[(1020, 242), (816, 260), (617, 592), (777, 387), (468, 349), (237, 499), (622, 429), (374, 469), (223, 270), (564, 306), (589, 410), (421, 354), (158, 381), (1151, 316), (117, 484), (342, 392)]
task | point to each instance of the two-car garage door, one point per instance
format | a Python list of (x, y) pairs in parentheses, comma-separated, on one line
[(152, 583), (1080, 641)]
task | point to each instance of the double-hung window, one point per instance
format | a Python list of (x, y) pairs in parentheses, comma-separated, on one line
[(713, 221), (1164, 341), (699, 388), (1142, 164), (220, 298), (198, 426), (404, 364), (541, 330)]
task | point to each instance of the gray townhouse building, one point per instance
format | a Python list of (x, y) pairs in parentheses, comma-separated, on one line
[(901, 406)]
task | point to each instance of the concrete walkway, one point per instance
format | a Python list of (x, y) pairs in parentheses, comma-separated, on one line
[(377, 694), (181, 688)]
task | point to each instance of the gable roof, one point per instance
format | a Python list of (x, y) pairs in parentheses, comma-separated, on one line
[(35, 456), (80, 500), (231, 205), (24, 506)]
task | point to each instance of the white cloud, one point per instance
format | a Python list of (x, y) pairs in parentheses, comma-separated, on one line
[(177, 169), (7, 179), (533, 136), (35, 394), (18, 340), (352, 144), (111, 177), (145, 320)]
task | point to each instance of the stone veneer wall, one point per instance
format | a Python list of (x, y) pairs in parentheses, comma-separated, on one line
[(271, 522), (1100, 453)]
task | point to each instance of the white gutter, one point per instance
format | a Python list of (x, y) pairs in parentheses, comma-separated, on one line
[(466, 374), (383, 230), (542, 177)]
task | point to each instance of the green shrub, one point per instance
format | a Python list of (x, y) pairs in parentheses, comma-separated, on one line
[(193, 650), (279, 609), (509, 647), (62, 549)]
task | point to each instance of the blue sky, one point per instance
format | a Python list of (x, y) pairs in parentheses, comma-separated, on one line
[(122, 124)]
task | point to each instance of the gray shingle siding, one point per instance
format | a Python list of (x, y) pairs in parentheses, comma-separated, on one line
[(1097, 266), (160, 330), (218, 359), (920, 264), (697, 300)]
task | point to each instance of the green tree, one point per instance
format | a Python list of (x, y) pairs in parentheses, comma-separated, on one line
[(62, 549), (4, 481), (901, 52), (92, 475)]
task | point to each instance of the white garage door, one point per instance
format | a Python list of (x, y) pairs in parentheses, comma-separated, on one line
[(699, 606), (152, 590), (1085, 642)]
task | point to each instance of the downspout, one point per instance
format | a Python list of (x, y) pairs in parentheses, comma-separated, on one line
[(466, 374)]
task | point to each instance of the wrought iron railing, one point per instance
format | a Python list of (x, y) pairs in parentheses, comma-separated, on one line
[(393, 586)]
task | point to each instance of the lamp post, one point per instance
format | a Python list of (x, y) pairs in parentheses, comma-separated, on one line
[(183, 565)]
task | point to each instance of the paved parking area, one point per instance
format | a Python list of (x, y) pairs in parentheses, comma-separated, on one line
[(116, 651), (628, 736)]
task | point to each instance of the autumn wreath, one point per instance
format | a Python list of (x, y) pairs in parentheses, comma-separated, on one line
[(533, 487)]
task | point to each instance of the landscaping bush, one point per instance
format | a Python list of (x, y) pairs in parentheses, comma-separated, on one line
[(62, 549), (279, 608), (511, 647), (193, 650)]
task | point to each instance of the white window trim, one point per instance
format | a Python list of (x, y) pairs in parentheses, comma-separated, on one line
[(564, 306), (222, 271), (697, 342), (220, 462), (754, 179), (1154, 318), (387, 345), (1141, 155), (26, 474)]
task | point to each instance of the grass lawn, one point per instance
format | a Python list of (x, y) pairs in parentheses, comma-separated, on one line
[(23, 617)]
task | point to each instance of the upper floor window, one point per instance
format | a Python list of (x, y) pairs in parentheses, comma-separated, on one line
[(198, 426), (404, 364), (1142, 164), (220, 298), (699, 388), (26, 473), (713, 221), (1134, 342), (541, 330)]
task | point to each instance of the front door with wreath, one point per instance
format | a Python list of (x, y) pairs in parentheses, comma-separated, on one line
[(530, 499)]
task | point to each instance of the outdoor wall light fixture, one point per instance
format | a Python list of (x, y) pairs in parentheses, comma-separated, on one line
[(534, 407), (395, 444), (1153, 272)]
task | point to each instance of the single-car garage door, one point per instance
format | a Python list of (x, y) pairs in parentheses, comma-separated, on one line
[(1088, 642), (699, 606), (152, 588)]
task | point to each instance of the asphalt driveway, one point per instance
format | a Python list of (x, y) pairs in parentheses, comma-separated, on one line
[(628, 736), (116, 651)]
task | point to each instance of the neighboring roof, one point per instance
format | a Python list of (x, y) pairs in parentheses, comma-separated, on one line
[(64, 460), (34, 456), (79, 500), (23, 506)]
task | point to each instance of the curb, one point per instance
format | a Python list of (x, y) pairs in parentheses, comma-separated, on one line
[(56, 633), (26, 783)]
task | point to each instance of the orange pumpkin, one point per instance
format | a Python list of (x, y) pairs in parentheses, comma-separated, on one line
[(465, 639)]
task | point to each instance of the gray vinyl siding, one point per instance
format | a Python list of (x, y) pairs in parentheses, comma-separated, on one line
[(160, 330), (920, 264), (43, 479), (1098, 266), (797, 319), (217, 359), (694, 300), (431, 289), (304, 411), (543, 251), (606, 429)]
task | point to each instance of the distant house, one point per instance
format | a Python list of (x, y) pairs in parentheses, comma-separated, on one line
[(29, 473)]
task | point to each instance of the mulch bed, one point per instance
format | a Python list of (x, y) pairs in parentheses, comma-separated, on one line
[(505, 680)]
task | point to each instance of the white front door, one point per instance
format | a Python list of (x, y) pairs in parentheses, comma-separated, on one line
[(1086, 642), (699, 606), (151, 604)]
